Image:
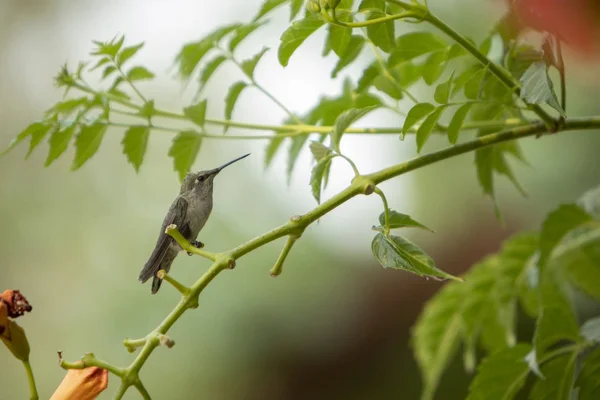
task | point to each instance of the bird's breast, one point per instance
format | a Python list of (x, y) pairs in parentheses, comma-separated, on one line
[(197, 215)]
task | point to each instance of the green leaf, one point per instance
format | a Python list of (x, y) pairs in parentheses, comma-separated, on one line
[(293, 153), (353, 49), (538, 87), (427, 126), (319, 150), (183, 150), (559, 374), (457, 122), (389, 86), (435, 335), (232, 96), (139, 73), (399, 220), (100, 63), (59, 141), (128, 52), (108, 71), (317, 175), (295, 6), (267, 7), (368, 76), (148, 110), (35, 131), (67, 107), (108, 48), (295, 35), (209, 69), (249, 65), (272, 148), (587, 381), (382, 35), (442, 91), (434, 66), (473, 85), (415, 44), (399, 253), (191, 54), (415, 114), (135, 143), (339, 36), (557, 224), (196, 113), (242, 33), (344, 121), (501, 375), (87, 143)]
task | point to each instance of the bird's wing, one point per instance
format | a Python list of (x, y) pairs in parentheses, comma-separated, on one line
[(176, 215)]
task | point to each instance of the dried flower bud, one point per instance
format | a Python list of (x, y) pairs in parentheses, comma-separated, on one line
[(13, 305), (17, 303)]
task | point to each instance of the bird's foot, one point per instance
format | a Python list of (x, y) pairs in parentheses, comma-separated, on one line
[(197, 244)]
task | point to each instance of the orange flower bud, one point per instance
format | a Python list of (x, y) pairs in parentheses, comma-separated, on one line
[(13, 304), (82, 384)]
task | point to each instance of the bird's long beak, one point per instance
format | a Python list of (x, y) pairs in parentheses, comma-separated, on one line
[(231, 162)]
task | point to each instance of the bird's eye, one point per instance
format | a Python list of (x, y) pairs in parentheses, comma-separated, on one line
[(201, 178)]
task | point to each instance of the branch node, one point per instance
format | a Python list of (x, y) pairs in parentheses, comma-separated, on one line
[(133, 344), (164, 340)]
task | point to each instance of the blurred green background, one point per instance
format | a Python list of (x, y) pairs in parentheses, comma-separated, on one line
[(334, 325)]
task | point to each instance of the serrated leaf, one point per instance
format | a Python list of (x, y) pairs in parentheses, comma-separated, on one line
[(59, 141), (267, 6), (209, 69), (317, 175), (68, 106), (128, 52), (87, 143), (232, 96), (100, 63), (415, 114), (501, 375), (272, 148), (183, 150), (295, 35), (427, 127), (148, 110), (442, 91), (457, 122), (435, 335), (538, 87), (557, 224), (242, 33), (399, 253), (139, 73), (382, 35), (191, 54), (108, 48), (197, 112), (399, 220), (319, 150), (587, 381), (559, 374), (415, 44), (135, 143), (344, 121), (434, 66), (353, 49), (249, 65), (339, 36)]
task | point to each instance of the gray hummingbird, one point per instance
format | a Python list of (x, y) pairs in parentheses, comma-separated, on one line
[(189, 212)]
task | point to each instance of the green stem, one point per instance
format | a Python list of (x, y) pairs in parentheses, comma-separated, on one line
[(356, 173), (121, 391), (386, 211), (563, 79), (126, 79), (277, 268), (140, 387), (33, 394), (375, 21)]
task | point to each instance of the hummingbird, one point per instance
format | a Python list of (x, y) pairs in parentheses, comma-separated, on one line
[(190, 211)]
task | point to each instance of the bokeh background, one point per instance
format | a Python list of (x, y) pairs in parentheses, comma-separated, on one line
[(334, 325)]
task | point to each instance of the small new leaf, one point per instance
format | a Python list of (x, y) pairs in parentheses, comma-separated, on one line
[(87, 143), (139, 73), (184, 149), (399, 220), (295, 35), (319, 150), (317, 175), (249, 65), (344, 121), (196, 113), (232, 96), (127, 53), (135, 143), (399, 253)]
